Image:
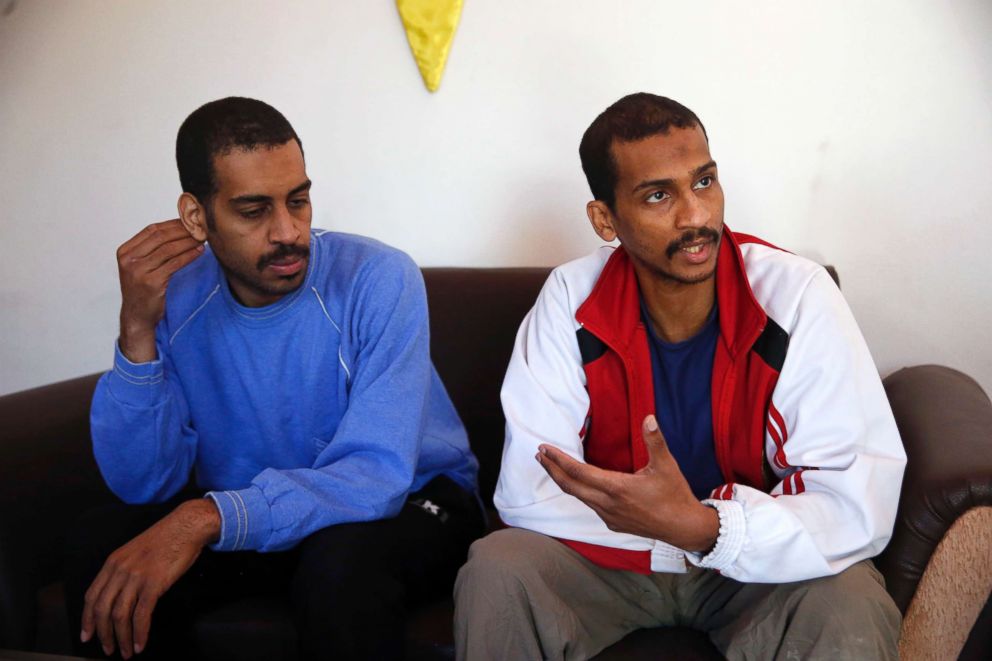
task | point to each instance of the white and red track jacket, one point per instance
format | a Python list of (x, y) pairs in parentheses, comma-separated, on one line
[(803, 431)]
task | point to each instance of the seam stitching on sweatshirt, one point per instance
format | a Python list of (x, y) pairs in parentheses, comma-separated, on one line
[(195, 312), (237, 516), (347, 371), (244, 507)]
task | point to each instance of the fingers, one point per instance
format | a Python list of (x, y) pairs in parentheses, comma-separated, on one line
[(89, 605), (160, 254), (654, 442), (121, 614), (155, 234), (587, 474), (587, 483), (171, 257), (103, 612), (142, 619)]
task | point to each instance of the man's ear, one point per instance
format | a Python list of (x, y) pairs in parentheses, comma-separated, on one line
[(601, 219), (193, 216)]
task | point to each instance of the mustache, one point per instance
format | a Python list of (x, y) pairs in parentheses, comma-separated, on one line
[(692, 236), (284, 250)]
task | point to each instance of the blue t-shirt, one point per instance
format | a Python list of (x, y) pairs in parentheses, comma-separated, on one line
[(682, 398)]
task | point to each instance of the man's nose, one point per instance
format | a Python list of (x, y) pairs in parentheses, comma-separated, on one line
[(692, 213), (283, 228)]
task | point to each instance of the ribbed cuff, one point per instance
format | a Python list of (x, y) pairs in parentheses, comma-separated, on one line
[(136, 384), (245, 520), (730, 539)]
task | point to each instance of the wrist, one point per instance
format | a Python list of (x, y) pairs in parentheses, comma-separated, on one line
[(707, 530), (201, 519), (137, 342)]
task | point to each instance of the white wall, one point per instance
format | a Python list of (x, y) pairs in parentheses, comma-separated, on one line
[(854, 132)]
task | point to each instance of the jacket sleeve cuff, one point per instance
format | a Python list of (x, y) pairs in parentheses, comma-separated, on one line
[(730, 539), (245, 519), (136, 384)]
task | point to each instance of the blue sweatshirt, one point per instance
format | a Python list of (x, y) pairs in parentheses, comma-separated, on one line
[(322, 408)]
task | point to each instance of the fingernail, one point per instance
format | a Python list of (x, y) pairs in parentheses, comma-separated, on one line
[(84, 636), (200, 247), (651, 423), (137, 648)]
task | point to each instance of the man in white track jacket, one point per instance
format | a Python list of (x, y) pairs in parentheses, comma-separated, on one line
[(696, 433)]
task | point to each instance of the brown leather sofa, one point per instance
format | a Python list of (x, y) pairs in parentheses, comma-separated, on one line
[(938, 566)]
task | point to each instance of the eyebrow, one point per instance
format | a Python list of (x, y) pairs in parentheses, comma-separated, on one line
[(255, 199), (668, 182)]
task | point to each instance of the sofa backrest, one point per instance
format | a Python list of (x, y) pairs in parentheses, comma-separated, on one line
[(475, 313)]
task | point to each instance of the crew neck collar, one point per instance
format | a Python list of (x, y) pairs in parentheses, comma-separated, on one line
[(268, 314)]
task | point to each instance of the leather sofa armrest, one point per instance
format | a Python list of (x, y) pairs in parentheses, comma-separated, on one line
[(945, 420), (47, 477), (16, 595)]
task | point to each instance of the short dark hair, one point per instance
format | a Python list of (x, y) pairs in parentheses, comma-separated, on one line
[(219, 127), (634, 117)]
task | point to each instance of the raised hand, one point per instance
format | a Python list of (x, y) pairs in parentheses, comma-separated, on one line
[(146, 262), (119, 603), (655, 502)]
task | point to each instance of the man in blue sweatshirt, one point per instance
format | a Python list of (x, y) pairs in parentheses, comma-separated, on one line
[(288, 369)]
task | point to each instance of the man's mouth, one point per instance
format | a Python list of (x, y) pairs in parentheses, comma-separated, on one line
[(287, 267), (694, 244), (698, 253), (285, 260), (282, 261)]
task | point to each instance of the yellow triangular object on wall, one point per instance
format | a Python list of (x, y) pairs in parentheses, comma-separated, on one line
[(430, 27)]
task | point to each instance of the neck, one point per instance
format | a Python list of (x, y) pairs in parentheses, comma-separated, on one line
[(677, 311)]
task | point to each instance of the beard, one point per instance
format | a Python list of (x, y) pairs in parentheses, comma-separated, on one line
[(251, 276)]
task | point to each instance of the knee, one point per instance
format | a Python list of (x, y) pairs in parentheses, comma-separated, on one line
[(854, 600), (501, 551), (504, 561)]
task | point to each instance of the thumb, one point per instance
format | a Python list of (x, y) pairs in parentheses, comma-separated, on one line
[(654, 441)]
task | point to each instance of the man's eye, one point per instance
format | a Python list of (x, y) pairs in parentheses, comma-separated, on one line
[(251, 213), (657, 196), (705, 182), (301, 202)]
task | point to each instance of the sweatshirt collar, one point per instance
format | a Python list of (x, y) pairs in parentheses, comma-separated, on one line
[(267, 314)]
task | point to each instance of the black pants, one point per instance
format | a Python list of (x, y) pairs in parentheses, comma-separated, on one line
[(350, 586)]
